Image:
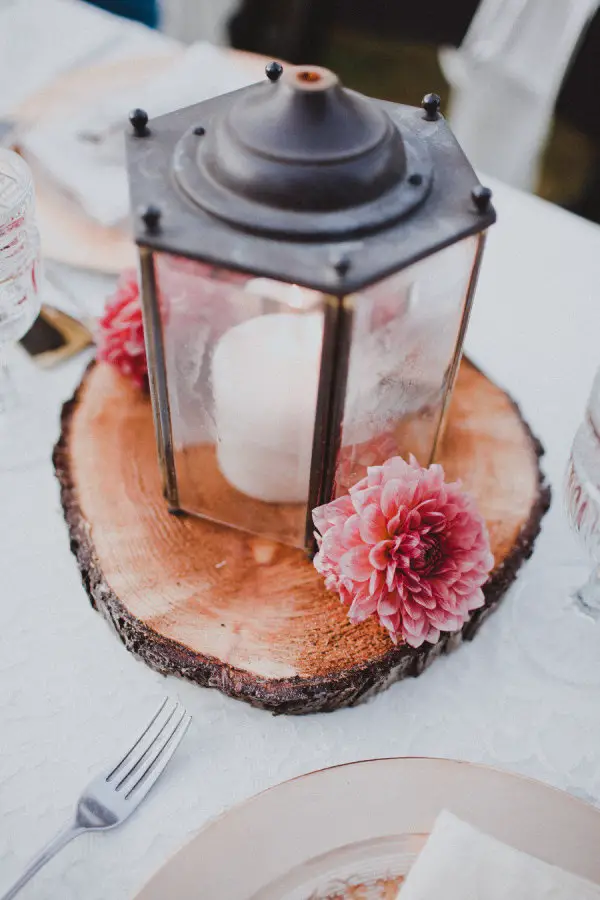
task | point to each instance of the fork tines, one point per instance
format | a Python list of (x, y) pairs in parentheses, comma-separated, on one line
[(146, 760)]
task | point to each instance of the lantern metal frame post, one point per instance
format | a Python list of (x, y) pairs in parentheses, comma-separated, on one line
[(460, 339), (333, 379), (157, 377)]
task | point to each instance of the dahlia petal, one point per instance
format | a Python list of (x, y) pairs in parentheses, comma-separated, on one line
[(402, 560), (412, 639), (379, 555), (396, 467), (448, 604), (360, 485), (132, 348), (388, 604), (416, 627), (362, 499), (390, 575), (412, 610), (445, 622), (373, 526), (476, 600), (374, 476), (393, 623), (393, 494), (351, 531), (432, 517), (413, 520), (396, 523), (411, 581), (355, 563), (362, 608), (345, 593), (427, 505), (376, 584), (426, 588), (332, 545), (450, 512), (463, 588), (427, 602), (436, 475), (323, 516)]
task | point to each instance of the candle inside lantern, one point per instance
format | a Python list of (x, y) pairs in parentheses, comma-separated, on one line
[(265, 375)]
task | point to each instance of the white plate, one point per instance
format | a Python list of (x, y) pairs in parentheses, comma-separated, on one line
[(325, 834)]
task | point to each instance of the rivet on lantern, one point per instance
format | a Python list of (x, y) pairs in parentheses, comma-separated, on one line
[(481, 197), (139, 122), (199, 130), (274, 71), (342, 264), (151, 217), (431, 105)]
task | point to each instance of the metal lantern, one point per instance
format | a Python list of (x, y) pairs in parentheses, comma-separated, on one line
[(308, 259)]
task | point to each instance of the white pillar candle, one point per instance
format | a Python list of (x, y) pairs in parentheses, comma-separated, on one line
[(265, 375)]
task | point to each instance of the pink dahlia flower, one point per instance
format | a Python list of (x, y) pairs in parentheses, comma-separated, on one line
[(407, 547), (120, 334)]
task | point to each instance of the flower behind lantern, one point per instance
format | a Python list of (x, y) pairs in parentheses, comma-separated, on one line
[(120, 334), (407, 547)]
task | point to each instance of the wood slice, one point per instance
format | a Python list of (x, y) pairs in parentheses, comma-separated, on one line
[(244, 615)]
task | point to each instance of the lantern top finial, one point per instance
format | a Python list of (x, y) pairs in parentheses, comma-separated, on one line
[(309, 78)]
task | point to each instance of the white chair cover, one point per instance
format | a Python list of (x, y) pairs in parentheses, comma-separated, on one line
[(505, 78)]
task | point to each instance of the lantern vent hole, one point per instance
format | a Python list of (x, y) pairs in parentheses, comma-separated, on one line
[(308, 76)]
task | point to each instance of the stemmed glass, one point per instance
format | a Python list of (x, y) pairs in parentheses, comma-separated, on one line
[(565, 599), (19, 305)]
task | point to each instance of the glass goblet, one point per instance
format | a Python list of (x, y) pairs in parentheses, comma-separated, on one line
[(564, 600), (19, 306)]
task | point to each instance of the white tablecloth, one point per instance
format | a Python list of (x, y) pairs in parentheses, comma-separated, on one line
[(71, 696)]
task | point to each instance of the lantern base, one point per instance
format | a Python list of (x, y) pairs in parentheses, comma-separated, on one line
[(244, 615)]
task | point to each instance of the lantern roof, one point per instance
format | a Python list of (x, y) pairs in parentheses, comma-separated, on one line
[(299, 179)]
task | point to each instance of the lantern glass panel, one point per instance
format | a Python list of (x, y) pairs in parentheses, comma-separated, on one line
[(242, 358), (406, 342)]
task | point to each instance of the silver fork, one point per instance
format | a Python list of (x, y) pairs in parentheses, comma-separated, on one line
[(111, 797)]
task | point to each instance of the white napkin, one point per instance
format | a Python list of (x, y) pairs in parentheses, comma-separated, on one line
[(459, 862), (93, 173)]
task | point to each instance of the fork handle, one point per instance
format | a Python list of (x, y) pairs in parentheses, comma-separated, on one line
[(51, 849)]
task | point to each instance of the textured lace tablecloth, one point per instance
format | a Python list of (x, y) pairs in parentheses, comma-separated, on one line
[(70, 696)]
